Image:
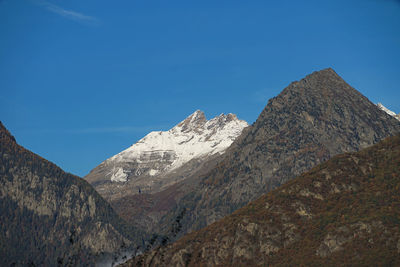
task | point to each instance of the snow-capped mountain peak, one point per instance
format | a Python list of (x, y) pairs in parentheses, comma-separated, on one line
[(388, 111), (161, 152)]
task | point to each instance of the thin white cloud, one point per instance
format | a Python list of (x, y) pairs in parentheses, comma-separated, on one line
[(69, 14)]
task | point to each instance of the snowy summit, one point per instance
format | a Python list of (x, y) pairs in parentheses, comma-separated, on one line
[(160, 152), (388, 111)]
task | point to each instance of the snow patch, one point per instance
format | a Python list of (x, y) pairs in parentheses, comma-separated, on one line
[(153, 172), (192, 138), (388, 111), (118, 175)]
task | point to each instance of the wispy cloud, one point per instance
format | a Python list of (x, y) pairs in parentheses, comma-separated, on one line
[(69, 14)]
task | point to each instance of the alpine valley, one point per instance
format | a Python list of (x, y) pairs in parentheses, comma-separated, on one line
[(310, 182), (309, 122)]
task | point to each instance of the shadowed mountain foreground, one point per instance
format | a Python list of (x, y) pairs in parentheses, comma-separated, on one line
[(50, 218)]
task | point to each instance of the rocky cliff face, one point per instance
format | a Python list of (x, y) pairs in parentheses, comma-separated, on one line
[(307, 123), (344, 212), (49, 217), (161, 159)]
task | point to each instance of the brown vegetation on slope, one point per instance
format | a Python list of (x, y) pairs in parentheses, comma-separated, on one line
[(309, 122), (344, 212)]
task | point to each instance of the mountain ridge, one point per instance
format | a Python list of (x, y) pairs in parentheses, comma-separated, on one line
[(344, 212), (50, 217), (310, 121), (146, 165)]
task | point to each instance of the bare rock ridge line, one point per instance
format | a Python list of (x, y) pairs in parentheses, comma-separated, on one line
[(344, 212), (309, 122), (50, 218), (161, 158), (201, 171)]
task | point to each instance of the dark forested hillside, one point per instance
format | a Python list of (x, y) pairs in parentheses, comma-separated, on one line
[(344, 212), (49, 217)]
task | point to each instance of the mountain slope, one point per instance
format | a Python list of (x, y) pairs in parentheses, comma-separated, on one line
[(146, 210), (344, 212), (161, 158), (310, 121), (49, 217)]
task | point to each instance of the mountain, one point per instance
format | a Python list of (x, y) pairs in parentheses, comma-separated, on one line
[(49, 217), (310, 121), (161, 159), (344, 212), (388, 111)]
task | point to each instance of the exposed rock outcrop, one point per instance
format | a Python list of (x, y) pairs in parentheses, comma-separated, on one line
[(310, 121), (354, 221), (49, 217)]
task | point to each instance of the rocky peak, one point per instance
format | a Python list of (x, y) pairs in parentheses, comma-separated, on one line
[(193, 122), (310, 121), (220, 121), (231, 117), (326, 75), (161, 152), (5, 134), (197, 124), (227, 118), (318, 98), (326, 83)]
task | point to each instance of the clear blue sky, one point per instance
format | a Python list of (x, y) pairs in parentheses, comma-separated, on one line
[(81, 80)]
